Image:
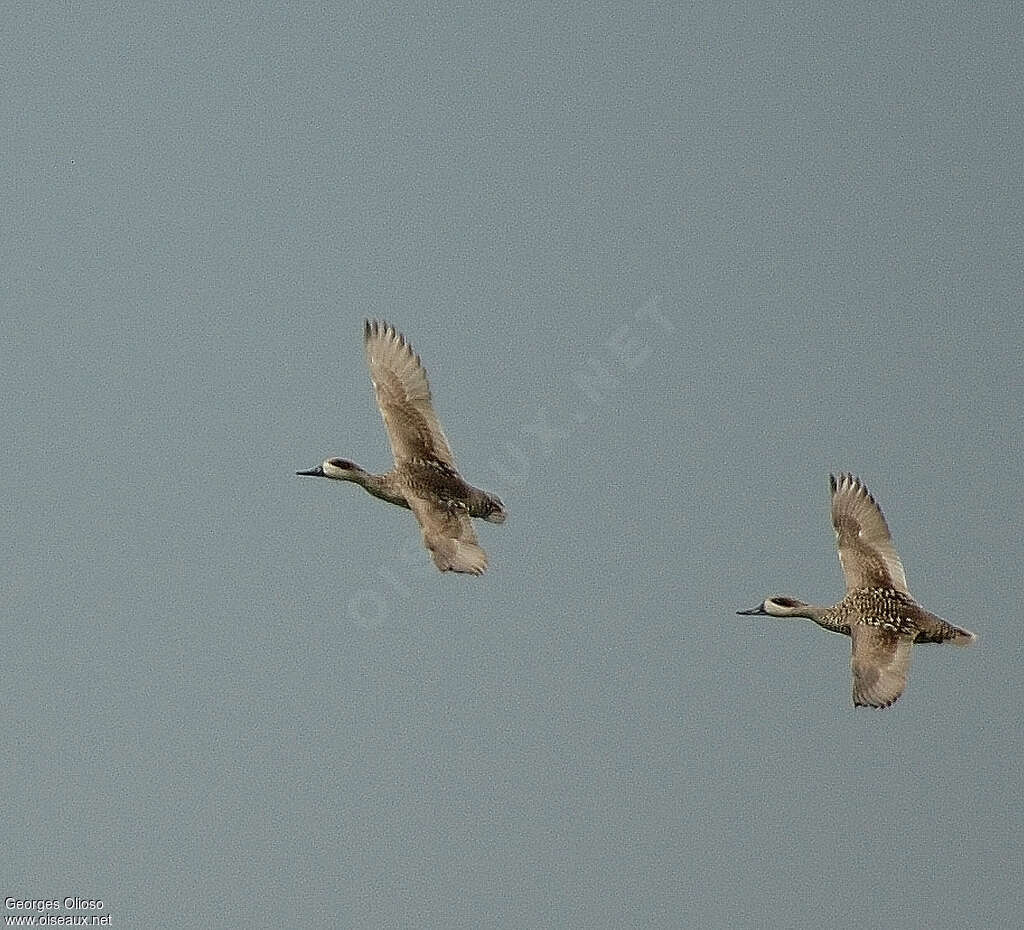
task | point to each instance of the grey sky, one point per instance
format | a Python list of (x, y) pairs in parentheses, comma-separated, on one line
[(666, 269)]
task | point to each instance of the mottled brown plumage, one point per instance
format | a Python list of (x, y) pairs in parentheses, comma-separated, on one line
[(877, 613), (424, 478)]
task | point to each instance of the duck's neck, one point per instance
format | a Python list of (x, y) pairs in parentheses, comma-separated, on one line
[(825, 617), (382, 486)]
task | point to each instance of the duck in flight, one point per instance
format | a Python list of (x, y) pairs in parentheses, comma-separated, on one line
[(878, 614), (424, 479)]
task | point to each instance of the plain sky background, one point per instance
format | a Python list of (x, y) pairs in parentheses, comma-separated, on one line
[(667, 268)]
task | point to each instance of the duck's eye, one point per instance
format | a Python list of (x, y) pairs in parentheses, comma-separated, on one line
[(339, 463)]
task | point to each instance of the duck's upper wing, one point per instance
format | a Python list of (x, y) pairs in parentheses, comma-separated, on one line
[(449, 535), (403, 396), (866, 551), (879, 662)]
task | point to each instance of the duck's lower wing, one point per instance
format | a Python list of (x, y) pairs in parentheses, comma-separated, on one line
[(450, 537), (880, 661)]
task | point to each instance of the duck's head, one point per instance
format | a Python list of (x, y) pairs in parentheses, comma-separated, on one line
[(775, 607), (339, 469)]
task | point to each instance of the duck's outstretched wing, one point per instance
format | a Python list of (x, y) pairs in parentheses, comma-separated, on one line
[(866, 550), (403, 396), (879, 661), (449, 535)]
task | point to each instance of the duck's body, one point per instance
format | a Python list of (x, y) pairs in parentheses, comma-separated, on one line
[(424, 479), (878, 612)]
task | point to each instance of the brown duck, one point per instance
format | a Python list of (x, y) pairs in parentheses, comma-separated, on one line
[(424, 478), (878, 613)]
